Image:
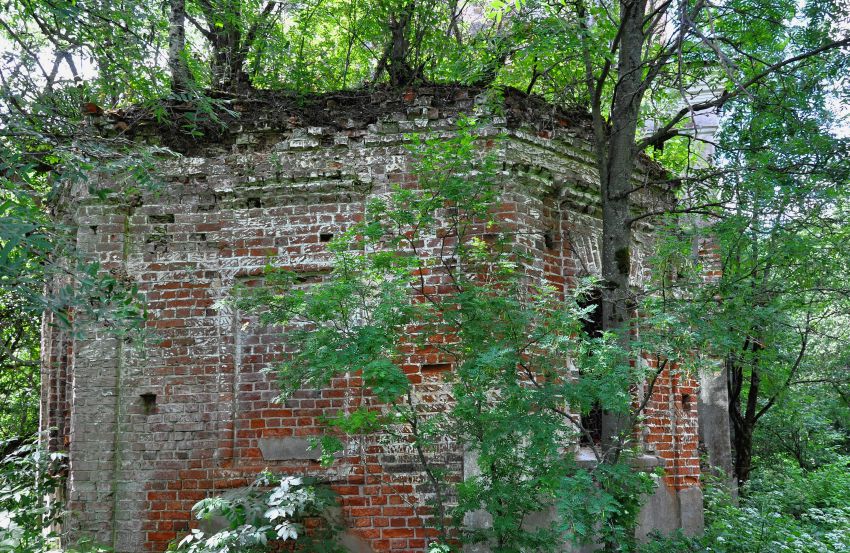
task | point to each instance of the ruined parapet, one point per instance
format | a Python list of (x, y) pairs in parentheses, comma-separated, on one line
[(151, 431)]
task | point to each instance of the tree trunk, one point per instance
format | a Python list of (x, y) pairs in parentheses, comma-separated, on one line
[(228, 60), (398, 62), (615, 170), (742, 421), (177, 65), (742, 441), (227, 65)]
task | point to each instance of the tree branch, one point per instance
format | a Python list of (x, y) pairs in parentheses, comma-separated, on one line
[(664, 133)]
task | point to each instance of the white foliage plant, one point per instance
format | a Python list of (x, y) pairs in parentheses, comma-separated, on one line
[(255, 517)]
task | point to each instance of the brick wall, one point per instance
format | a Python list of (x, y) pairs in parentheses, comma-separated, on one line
[(152, 430)]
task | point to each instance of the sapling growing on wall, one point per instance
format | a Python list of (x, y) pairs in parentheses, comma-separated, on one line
[(431, 268)]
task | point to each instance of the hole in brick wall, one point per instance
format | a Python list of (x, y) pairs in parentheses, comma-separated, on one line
[(492, 238), (549, 239), (93, 228), (161, 219), (157, 241), (312, 277), (687, 402), (253, 202), (326, 237), (148, 402), (436, 367)]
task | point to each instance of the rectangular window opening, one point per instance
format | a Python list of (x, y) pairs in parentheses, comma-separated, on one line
[(592, 326)]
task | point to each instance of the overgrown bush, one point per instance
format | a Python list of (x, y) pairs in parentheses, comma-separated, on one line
[(805, 426), (29, 511), (27, 475), (272, 509), (782, 509)]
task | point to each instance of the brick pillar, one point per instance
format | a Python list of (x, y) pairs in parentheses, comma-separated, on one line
[(56, 354), (671, 423), (714, 426), (95, 383)]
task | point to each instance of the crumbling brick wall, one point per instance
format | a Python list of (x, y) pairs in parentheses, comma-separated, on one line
[(151, 431)]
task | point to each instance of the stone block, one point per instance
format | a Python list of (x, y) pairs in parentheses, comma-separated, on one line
[(660, 513), (287, 449), (354, 544), (691, 511)]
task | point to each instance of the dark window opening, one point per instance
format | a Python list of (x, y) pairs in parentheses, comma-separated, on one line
[(549, 239), (148, 402), (592, 326), (165, 219)]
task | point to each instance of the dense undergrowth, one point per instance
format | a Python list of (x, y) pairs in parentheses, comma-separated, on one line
[(784, 508)]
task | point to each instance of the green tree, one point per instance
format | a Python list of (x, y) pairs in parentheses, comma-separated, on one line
[(636, 67), (504, 341), (780, 223), (47, 144)]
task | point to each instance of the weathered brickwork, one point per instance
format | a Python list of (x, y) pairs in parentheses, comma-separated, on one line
[(151, 431)]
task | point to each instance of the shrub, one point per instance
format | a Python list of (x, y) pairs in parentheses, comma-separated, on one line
[(271, 509), (27, 475), (783, 509)]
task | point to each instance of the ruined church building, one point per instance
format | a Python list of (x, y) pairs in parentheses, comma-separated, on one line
[(151, 431)]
